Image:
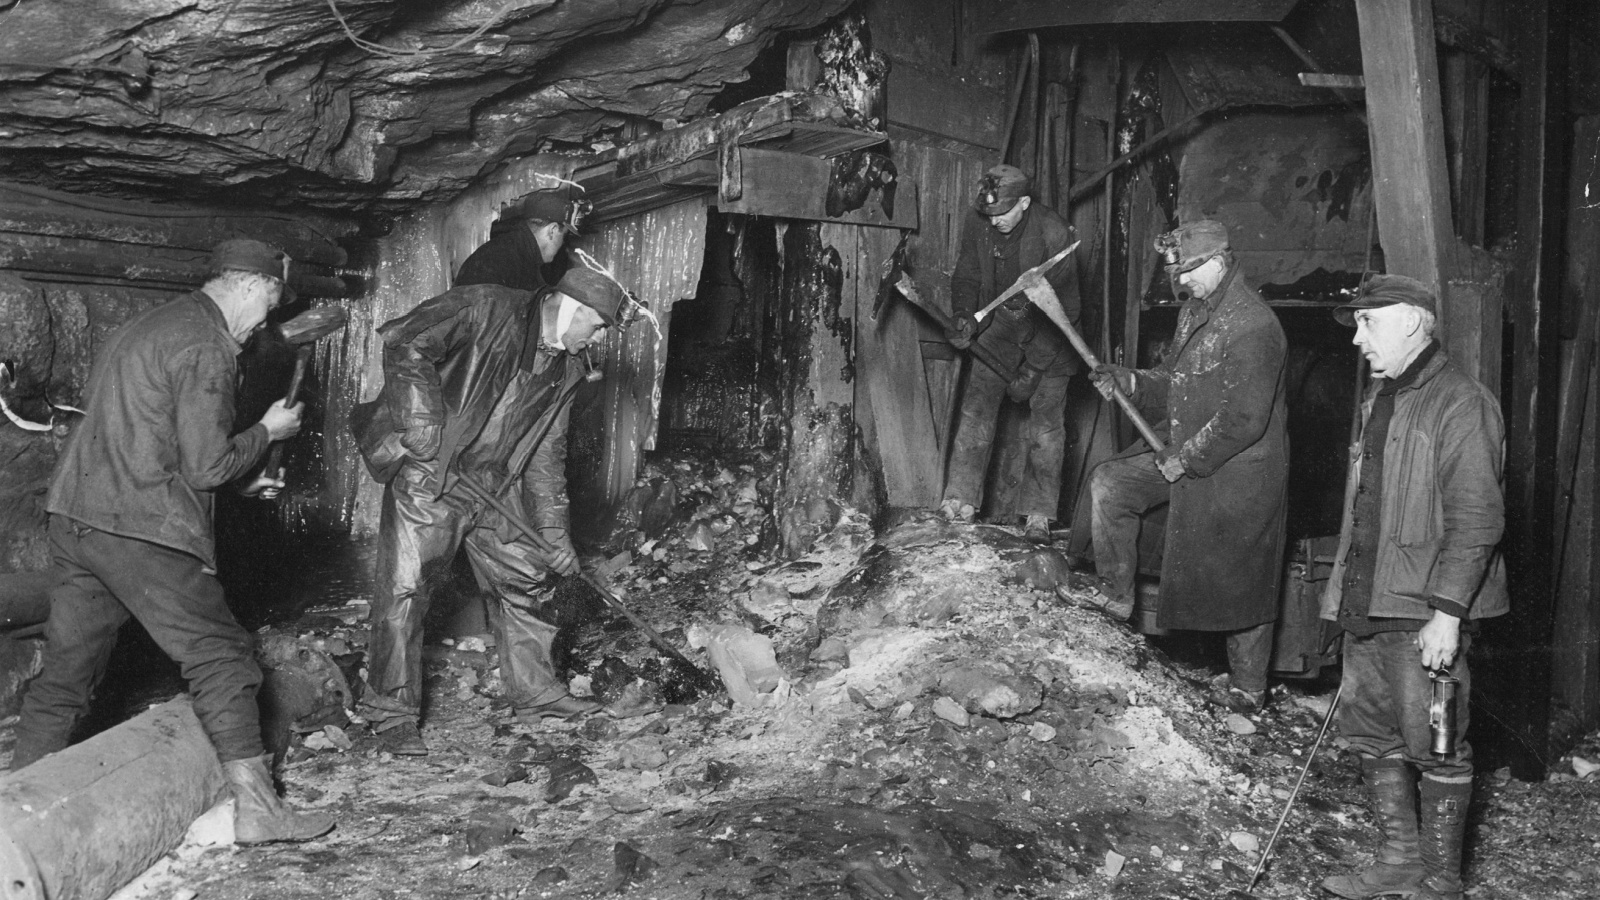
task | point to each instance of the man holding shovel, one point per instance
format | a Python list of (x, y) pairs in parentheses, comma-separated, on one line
[(1223, 474), (1008, 235), (131, 526), (471, 376)]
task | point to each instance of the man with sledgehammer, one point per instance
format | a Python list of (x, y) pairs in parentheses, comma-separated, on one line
[(470, 378), (131, 526)]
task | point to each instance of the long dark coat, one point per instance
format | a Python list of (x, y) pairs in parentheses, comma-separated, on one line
[(1222, 389)]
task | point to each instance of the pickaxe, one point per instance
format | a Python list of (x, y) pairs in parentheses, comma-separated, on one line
[(897, 280), (1031, 277), (1042, 295), (303, 331)]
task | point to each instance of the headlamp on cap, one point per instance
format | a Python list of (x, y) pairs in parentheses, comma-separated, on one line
[(578, 210), (989, 191), (1167, 246)]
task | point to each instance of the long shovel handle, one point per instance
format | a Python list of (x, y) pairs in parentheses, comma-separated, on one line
[(544, 546), (302, 360), (1266, 851), (1044, 296)]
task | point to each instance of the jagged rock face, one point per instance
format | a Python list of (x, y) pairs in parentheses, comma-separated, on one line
[(260, 101)]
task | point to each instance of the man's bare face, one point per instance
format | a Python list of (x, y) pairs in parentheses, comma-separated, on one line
[(585, 330), (1388, 337), (550, 237), (1202, 280)]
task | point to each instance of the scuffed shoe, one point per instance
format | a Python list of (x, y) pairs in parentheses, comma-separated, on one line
[(260, 816), (1037, 529), (956, 511), (565, 707), (1236, 700), (1104, 602), (402, 738), (1378, 880)]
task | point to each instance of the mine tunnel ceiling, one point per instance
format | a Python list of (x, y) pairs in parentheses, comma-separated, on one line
[(265, 102)]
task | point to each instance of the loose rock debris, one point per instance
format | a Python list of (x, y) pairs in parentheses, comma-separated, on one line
[(922, 713)]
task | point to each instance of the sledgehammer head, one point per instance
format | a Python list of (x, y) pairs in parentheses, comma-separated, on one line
[(314, 324)]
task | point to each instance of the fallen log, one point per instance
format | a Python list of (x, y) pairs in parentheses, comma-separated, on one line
[(81, 823)]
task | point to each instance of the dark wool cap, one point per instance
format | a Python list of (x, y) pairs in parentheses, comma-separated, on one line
[(594, 290), (1387, 290), (250, 256), (543, 206), (1190, 246), (1000, 189)]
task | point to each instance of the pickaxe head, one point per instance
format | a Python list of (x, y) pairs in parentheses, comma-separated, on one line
[(314, 324), (892, 276)]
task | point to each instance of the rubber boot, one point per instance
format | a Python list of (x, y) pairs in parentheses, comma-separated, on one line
[(259, 816), (1392, 788), (1444, 829)]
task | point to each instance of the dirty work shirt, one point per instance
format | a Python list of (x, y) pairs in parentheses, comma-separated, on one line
[(154, 443)]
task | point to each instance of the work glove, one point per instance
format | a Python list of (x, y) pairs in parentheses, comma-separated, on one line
[(564, 561), (1024, 384), (421, 441), (1170, 464), (1107, 374), (962, 330)]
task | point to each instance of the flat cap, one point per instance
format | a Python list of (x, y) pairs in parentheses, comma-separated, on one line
[(245, 255), (1387, 290), (1000, 189), (545, 206), (1190, 246), (596, 290)]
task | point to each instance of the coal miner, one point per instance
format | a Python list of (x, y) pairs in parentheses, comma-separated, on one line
[(131, 526), (1416, 565), (470, 377), (1223, 474), (1008, 234), (526, 238)]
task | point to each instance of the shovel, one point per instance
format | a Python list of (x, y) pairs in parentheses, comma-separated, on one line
[(706, 680), (303, 331)]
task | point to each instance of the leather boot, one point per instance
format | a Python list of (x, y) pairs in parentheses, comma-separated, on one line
[(1392, 788), (1444, 829), (259, 816)]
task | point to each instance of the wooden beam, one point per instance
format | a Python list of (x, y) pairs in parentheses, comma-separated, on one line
[(1027, 15), (1532, 406), (1462, 35), (1411, 184), (791, 186)]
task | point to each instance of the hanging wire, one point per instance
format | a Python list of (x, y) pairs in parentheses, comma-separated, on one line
[(395, 52)]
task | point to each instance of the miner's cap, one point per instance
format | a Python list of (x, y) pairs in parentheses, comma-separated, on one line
[(258, 257), (1190, 246), (1000, 189), (595, 290), (545, 206), (1387, 290)]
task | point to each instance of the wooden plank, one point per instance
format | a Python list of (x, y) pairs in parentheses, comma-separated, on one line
[(790, 186), (1028, 15), (936, 104)]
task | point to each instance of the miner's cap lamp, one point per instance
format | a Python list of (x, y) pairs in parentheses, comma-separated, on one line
[(1191, 246), (1000, 189)]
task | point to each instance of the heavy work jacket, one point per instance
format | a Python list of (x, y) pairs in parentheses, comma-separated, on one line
[(154, 444), (447, 363), (1443, 507), (511, 257), (1040, 235), (1221, 392)]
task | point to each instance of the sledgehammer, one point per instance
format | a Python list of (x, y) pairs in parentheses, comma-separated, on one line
[(303, 331)]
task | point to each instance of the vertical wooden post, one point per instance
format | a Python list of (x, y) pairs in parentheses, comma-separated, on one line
[(1400, 64), (1531, 408)]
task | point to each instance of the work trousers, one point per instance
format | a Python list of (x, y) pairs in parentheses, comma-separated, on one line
[(1045, 434), (105, 580), (418, 537), (1384, 711), (1121, 492)]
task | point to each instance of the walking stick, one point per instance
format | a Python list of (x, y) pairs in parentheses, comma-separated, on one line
[(476, 488), (1289, 804)]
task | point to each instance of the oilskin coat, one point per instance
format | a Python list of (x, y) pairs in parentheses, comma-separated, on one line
[(1221, 392)]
